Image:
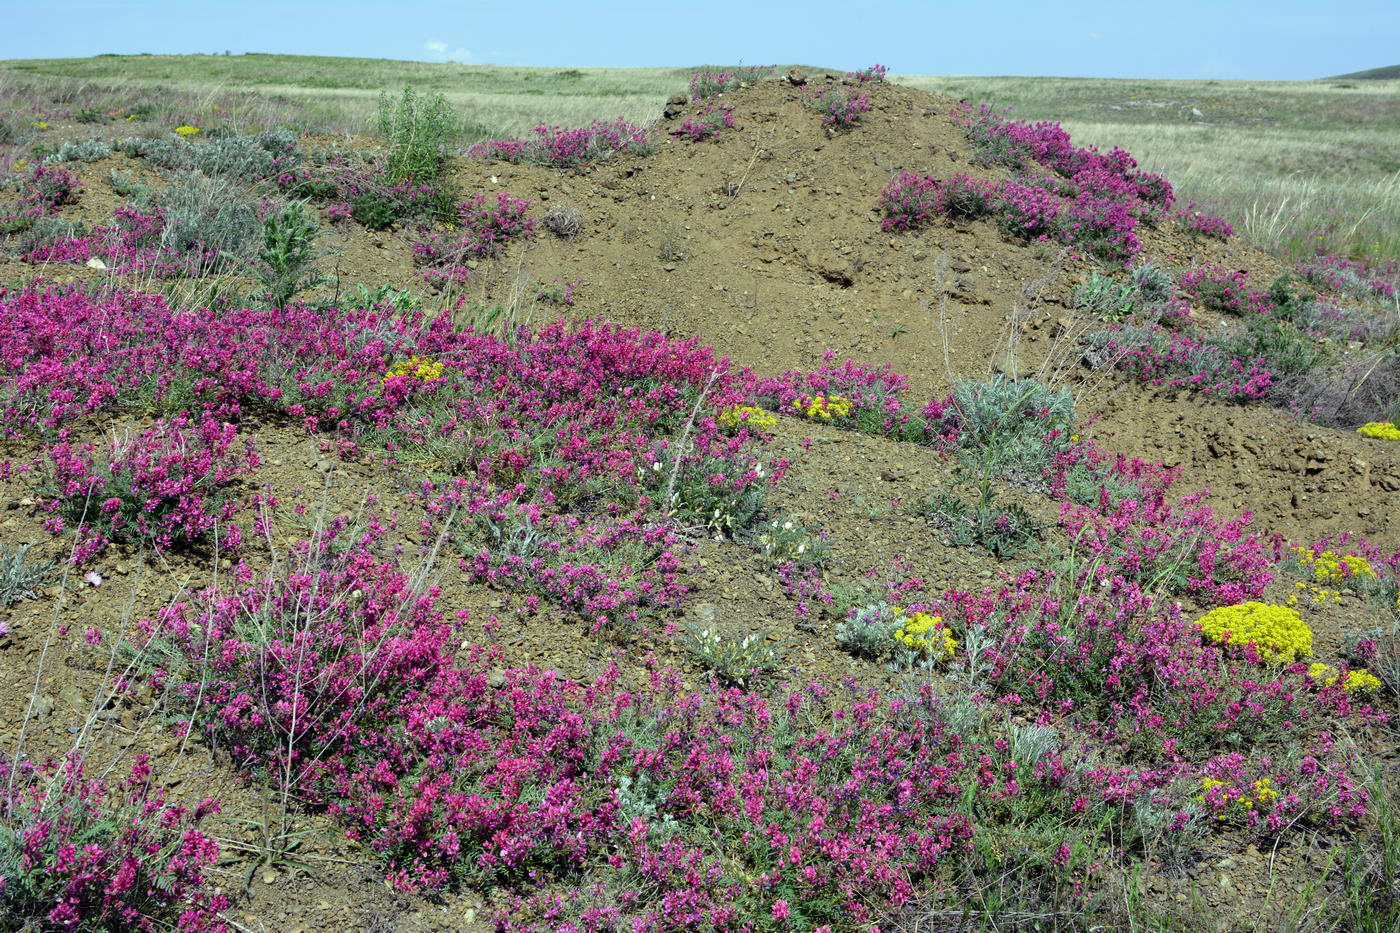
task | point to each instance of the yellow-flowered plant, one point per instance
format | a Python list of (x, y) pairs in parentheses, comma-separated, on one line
[(187, 130), (39, 125), (1317, 595), (921, 632), (746, 415), (1262, 794), (1359, 680), (1331, 567), (19, 165), (1381, 430), (416, 368), (823, 407), (1277, 632)]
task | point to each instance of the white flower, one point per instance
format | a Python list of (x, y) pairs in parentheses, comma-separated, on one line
[(787, 526)]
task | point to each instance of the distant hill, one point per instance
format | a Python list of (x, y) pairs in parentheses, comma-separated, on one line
[(1389, 73)]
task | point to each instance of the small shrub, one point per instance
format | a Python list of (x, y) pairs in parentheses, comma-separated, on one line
[(908, 201), (563, 221), (1002, 532), (125, 185), (839, 110), (209, 223), (784, 541), (90, 115), (707, 125), (19, 578), (285, 264), (171, 487), (1277, 633), (875, 74), (1106, 298), (705, 84), (487, 228), (1014, 425), (869, 630), (87, 151), (564, 148), (418, 131), (77, 854), (734, 660)]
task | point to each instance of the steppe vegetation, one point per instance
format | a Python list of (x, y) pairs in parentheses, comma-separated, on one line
[(789, 513)]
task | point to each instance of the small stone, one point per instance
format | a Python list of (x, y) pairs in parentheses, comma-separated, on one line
[(95, 263), (270, 877)]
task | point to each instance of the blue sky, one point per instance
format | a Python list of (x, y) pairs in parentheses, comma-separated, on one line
[(1195, 39)]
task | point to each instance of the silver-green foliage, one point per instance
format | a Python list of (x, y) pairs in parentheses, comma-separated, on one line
[(869, 630), (19, 578)]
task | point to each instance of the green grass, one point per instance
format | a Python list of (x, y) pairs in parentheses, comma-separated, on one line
[(1296, 166)]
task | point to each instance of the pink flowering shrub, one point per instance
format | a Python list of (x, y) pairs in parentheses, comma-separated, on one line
[(908, 201), (875, 74), (170, 486), (134, 244), (1019, 145), (714, 118), (839, 110), (1345, 276), (42, 191), (1169, 358), (564, 148), (76, 853), (486, 229), (1199, 224), (706, 84), (1227, 291), (364, 192), (1043, 209)]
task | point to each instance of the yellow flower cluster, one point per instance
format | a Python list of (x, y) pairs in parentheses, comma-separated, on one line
[(746, 416), (187, 130), (1327, 675), (1381, 430), (1264, 793), (823, 407), (420, 369), (39, 125), (1317, 595), (1331, 567), (925, 633), (1278, 633)]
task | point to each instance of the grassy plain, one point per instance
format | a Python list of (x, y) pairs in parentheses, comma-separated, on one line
[(1297, 166)]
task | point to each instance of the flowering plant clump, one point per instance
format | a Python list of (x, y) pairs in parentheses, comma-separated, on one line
[(1199, 224), (564, 148), (1345, 276), (415, 368), (487, 229), (78, 854), (823, 407), (907, 201), (1381, 430), (1353, 681), (1170, 358), (740, 415), (707, 124), (365, 192), (924, 634), (187, 131), (1225, 290), (875, 74), (1331, 567), (838, 109), (170, 486), (1277, 633), (704, 84), (42, 191)]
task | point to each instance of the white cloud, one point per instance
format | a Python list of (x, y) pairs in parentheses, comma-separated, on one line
[(1095, 35), (439, 51)]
